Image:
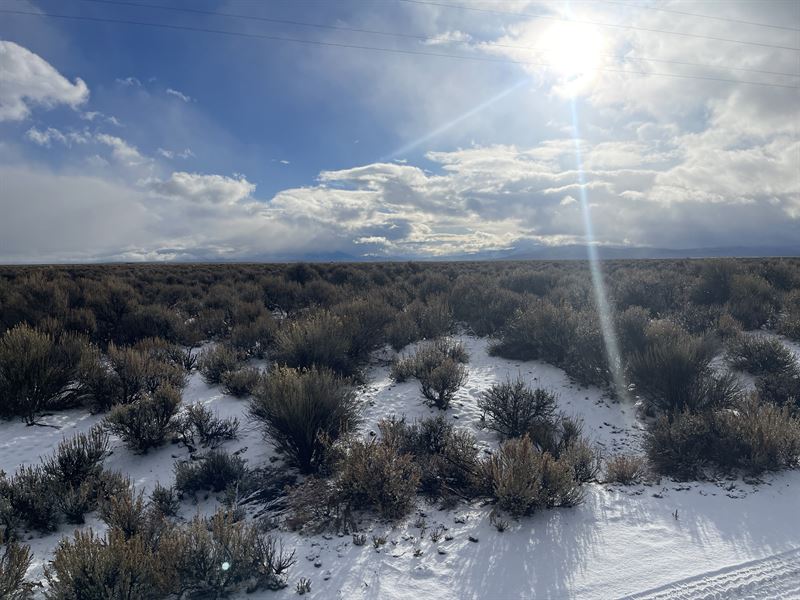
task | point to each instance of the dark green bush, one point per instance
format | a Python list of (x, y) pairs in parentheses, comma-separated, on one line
[(440, 383), (78, 458), (781, 388), (197, 551), (434, 317), (139, 372), (447, 458), (215, 471), (165, 501), (37, 371), (631, 329), (198, 426), (255, 338), (242, 382), (683, 445), (675, 373), (753, 301), (513, 408), (74, 501), (14, 562), (364, 324), (215, 361), (541, 331), (148, 422), (402, 331), (33, 497), (318, 340), (302, 411), (760, 355)]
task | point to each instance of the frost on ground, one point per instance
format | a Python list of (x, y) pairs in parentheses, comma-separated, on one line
[(734, 537)]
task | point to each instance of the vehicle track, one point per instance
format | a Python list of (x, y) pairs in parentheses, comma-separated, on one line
[(775, 577)]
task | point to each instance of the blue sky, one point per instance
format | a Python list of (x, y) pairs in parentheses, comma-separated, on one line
[(121, 142)]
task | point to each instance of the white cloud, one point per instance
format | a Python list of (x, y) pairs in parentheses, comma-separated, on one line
[(46, 136), (170, 154), (27, 80), (448, 38), (121, 150), (202, 189), (129, 82), (179, 95)]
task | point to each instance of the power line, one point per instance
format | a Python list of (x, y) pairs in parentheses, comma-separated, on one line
[(423, 38), (698, 15), (598, 24), (374, 48)]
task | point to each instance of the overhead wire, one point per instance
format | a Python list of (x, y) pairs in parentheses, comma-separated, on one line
[(331, 44), (598, 24), (419, 37)]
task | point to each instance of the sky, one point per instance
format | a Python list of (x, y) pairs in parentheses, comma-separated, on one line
[(249, 130)]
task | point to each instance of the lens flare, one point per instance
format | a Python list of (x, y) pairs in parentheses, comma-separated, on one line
[(600, 296)]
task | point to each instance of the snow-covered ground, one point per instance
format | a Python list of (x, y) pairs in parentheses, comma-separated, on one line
[(730, 538)]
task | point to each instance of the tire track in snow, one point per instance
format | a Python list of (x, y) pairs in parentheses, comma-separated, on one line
[(775, 577)]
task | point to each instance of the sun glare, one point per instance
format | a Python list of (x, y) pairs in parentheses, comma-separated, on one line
[(573, 49)]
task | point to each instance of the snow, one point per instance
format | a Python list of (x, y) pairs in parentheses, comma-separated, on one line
[(620, 541)]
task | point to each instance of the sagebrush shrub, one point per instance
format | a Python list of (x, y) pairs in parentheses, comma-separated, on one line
[(197, 425), (440, 383), (540, 331), (165, 501), (402, 331), (74, 501), (781, 388), (241, 382), (759, 437), (318, 340), (512, 408), (253, 339), (147, 422), (760, 355), (32, 495), (681, 445), (99, 386), (434, 317), (78, 458), (447, 458), (484, 308), (127, 513), (94, 568), (198, 551), (753, 301), (364, 323), (215, 361), (215, 471), (715, 282), (376, 475), (138, 372), (675, 373), (631, 329), (523, 479), (14, 562), (626, 469), (438, 366), (37, 371), (301, 411)]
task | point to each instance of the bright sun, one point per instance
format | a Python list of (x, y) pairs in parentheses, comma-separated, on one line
[(573, 49)]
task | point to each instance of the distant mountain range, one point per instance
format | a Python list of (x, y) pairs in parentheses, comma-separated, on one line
[(540, 252)]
